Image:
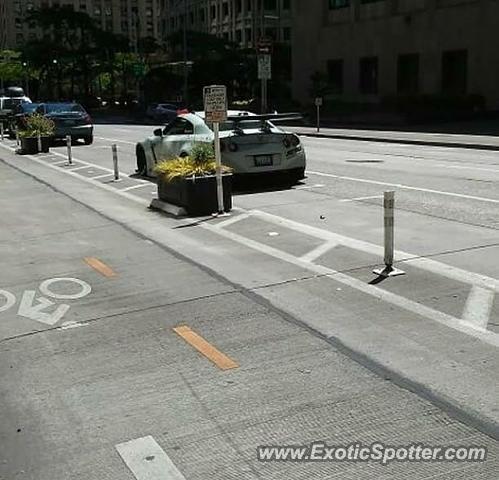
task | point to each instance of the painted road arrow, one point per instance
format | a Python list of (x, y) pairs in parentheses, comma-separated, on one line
[(35, 312)]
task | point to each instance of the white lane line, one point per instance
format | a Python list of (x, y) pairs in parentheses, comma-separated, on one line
[(384, 295), (307, 187), (469, 168), (404, 187), (443, 269), (478, 306), (103, 176), (79, 168), (89, 180), (88, 164), (147, 460), (135, 186), (233, 220), (116, 140), (360, 198), (318, 251)]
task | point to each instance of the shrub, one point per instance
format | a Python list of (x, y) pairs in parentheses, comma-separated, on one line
[(37, 124), (200, 163)]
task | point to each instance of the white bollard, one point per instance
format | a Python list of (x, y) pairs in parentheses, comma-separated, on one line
[(70, 153), (1, 131), (39, 139), (17, 137), (114, 149), (389, 206)]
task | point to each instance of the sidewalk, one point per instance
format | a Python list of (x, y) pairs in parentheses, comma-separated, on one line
[(484, 142), (113, 370)]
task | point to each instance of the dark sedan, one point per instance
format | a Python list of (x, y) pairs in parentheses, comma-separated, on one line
[(70, 119)]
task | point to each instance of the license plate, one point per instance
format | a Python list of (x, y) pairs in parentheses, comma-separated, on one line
[(263, 160)]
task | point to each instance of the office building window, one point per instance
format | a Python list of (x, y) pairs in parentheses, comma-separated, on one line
[(368, 75), (335, 75), (334, 4), (408, 73), (454, 72)]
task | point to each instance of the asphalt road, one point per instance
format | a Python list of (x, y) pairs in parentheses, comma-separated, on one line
[(292, 310)]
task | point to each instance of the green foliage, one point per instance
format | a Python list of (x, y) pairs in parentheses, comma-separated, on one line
[(202, 153), (200, 163), (10, 65), (37, 124)]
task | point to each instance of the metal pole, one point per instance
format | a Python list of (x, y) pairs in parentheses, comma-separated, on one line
[(264, 94), (184, 47), (114, 149), (388, 215), (17, 137), (39, 139), (1, 131), (68, 145), (388, 204), (218, 159), (318, 118)]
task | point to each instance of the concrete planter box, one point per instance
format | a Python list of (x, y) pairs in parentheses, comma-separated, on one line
[(29, 145), (197, 195)]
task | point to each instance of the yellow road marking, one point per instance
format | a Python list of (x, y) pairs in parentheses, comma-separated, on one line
[(221, 360), (101, 267)]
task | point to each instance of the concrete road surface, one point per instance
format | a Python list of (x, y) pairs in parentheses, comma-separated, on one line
[(201, 340)]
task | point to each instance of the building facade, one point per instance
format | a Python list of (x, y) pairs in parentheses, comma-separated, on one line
[(369, 49), (132, 18), (239, 21)]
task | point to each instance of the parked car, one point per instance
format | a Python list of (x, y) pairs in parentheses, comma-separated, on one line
[(70, 119), (164, 112), (18, 119), (9, 100), (249, 143)]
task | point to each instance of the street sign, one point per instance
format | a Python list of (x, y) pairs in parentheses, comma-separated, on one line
[(139, 69), (318, 102), (215, 111), (215, 103), (264, 46), (264, 67)]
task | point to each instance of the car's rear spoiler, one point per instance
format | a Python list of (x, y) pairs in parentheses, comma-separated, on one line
[(273, 117)]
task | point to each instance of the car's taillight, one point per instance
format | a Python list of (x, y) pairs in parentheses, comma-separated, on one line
[(182, 111), (87, 118)]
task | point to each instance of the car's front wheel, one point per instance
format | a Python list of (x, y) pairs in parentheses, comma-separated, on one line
[(141, 160)]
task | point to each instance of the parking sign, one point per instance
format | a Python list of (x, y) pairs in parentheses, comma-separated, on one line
[(215, 103), (264, 67)]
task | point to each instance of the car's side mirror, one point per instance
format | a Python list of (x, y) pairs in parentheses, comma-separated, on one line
[(158, 132)]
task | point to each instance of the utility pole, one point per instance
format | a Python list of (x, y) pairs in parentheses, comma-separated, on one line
[(262, 35), (136, 51), (184, 48)]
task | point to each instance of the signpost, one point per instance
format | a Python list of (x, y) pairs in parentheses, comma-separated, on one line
[(215, 108), (318, 104), (264, 50)]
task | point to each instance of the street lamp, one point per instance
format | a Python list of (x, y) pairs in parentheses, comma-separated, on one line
[(26, 78)]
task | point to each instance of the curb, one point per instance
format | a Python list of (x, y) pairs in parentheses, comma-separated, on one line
[(432, 143)]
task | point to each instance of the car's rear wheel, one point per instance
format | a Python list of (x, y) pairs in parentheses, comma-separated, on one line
[(296, 175), (88, 140), (141, 160)]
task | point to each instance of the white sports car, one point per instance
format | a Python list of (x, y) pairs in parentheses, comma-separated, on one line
[(249, 143)]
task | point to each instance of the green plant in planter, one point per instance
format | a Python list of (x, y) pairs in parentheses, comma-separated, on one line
[(190, 182), (37, 125), (200, 163)]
